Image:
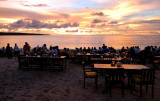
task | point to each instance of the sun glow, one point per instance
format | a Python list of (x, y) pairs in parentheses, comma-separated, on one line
[(7, 20), (121, 10)]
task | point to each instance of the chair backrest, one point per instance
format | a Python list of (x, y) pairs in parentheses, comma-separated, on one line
[(148, 75), (84, 66), (116, 74), (22, 58), (46, 59), (34, 60), (83, 63)]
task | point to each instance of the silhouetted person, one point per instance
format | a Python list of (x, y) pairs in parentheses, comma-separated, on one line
[(8, 51), (104, 46), (26, 48), (16, 50), (44, 48)]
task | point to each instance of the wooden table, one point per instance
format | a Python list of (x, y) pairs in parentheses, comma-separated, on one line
[(105, 60), (54, 59), (128, 68), (125, 66), (157, 56), (89, 57), (61, 58)]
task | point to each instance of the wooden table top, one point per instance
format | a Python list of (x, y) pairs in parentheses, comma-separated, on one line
[(113, 59), (125, 66), (38, 56), (157, 56)]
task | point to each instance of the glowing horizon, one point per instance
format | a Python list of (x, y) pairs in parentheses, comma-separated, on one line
[(79, 17)]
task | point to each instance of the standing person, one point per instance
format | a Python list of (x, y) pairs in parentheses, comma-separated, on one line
[(3, 51), (16, 50), (26, 48), (44, 48), (58, 50), (8, 51)]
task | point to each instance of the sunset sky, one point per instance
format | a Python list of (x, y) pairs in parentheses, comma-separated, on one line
[(80, 16)]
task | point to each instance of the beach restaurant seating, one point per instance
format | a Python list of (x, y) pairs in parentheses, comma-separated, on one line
[(89, 73), (156, 62), (34, 62), (46, 63), (57, 63), (146, 77), (42, 62), (23, 62), (114, 76)]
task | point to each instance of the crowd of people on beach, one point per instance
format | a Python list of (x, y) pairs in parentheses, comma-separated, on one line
[(10, 52), (133, 52)]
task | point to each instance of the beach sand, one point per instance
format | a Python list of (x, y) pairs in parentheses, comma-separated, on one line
[(67, 85)]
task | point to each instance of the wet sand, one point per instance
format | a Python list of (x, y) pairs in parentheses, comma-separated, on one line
[(67, 85)]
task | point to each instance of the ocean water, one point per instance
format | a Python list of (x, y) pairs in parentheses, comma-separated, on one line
[(73, 41)]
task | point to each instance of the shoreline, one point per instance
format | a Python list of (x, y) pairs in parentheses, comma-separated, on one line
[(14, 33)]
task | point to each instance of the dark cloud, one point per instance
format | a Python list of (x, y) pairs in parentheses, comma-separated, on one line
[(150, 21), (65, 25), (26, 4), (99, 26), (28, 24), (33, 23), (113, 22), (52, 26), (75, 24), (18, 24), (57, 21), (37, 5), (98, 13), (98, 21), (144, 22), (3, 26), (64, 15), (72, 30), (103, 25)]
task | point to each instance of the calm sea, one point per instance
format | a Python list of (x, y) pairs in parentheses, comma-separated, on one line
[(72, 41)]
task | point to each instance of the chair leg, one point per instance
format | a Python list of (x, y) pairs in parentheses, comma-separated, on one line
[(96, 82), (140, 90), (129, 80), (110, 88), (105, 84), (146, 88), (132, 86), (152, 90), (19, 67), (84, 83), (122, 89)]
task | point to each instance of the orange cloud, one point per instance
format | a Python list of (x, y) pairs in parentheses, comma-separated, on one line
[(121, 16)]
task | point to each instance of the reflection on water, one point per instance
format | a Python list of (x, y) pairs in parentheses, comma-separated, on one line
[(72, 41)]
